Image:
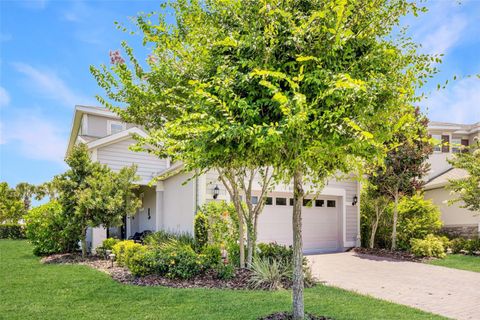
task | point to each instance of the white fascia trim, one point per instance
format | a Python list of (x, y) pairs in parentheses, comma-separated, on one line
[(94, 155), (116, 137), (97, 111)]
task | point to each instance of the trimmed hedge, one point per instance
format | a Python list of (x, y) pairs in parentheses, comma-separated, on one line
[(12, 231)]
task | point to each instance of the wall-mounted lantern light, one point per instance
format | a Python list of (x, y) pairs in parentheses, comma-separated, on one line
[(216, 191), (354, 200)]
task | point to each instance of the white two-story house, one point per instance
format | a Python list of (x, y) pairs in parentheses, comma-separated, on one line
[(452, 138), (330, 223)]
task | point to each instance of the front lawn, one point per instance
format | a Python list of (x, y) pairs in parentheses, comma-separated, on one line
[(459, 261), (30, 290)]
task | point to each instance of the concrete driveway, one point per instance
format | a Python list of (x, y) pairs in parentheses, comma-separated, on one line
[(449, 292)]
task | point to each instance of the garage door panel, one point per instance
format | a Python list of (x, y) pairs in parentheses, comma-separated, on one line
[(320, 226)]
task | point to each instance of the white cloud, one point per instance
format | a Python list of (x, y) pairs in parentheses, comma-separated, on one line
[(51, 86), (4, 97), (36, 137), (442, 27), (459, 102), (445, 36)]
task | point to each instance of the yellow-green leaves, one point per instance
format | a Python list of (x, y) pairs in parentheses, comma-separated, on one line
[(365, 134)]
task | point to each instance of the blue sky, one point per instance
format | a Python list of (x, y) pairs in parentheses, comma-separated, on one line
[(47, 46)]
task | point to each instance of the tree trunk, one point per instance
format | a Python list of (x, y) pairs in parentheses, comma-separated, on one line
[(84, 242), (374, 228), (395, 219), (241, 230), (298, 193)]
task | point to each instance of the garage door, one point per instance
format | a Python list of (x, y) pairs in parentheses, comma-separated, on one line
[(320, 219)]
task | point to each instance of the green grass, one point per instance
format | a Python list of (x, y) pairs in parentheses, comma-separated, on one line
[(31, 290), (459, 261)]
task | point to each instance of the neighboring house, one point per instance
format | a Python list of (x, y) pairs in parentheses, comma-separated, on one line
[(453, 137), (331, 223)]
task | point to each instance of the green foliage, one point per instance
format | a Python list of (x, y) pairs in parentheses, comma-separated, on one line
[(181, 260), (108, 243), (268, 274), (467, 190), (91, 194), (467, 246), (431, 246), (274, 251), (212, 256), (200, 225), (374, 217), (158, 238), (221, 222), (12, 231), (417, 218), (457, 245), (125, 250), (225, 271), (48, 231), (11, 205)]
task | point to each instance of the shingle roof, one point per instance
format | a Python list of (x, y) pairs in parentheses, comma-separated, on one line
[(442, 179)]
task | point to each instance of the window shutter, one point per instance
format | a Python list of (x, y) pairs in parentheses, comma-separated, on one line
[(445, 143)]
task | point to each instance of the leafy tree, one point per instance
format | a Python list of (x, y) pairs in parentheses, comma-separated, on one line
[(309, 88), (11, 205), (26, 191), (467, 190), (374, 207), (405, 165), (92, 195)]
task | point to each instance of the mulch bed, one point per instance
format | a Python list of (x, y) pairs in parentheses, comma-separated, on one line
[(289, 316), (208, 280), (397, 255)]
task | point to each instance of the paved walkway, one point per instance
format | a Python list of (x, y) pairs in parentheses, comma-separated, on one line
[(449, 292)]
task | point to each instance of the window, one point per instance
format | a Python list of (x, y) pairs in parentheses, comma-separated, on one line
[(115, 127), (456, 144), (445, 143), (307, 202), (291, 201), (254, 199), (438, 142), (281, 201), (331, 203), (269, 201), (319, 203)]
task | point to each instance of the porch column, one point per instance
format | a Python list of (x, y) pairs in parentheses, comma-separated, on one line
[(98, 235), (159, 223)]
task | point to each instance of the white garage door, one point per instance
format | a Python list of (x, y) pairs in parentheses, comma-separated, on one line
[(320, 222)]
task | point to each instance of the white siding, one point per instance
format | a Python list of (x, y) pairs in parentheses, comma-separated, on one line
[(118, 155), (179, 204)]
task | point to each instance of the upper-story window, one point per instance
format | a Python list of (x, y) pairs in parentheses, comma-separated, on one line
[(115, 127), (442, 143)]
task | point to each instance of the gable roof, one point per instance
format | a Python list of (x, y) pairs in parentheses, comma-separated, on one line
[(441, 180), (456, 127), (122, 135), (79, 111)]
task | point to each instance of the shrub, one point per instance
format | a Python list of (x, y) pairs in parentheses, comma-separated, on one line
[(417, 219), (457, 245), (222, 222), (108, 243), (180, 260), (124, 251), (472, 245), (274, 251), (48, 230), (268, 274), (12, 231), (225, 272), (200, 230), (431, 246), (160, 237), (145, 262), (212, 256)]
